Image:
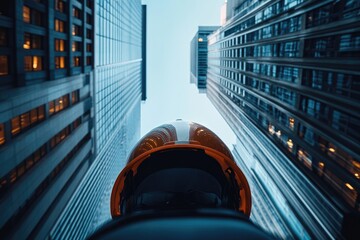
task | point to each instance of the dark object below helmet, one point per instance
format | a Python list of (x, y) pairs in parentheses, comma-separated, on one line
[(192, 224)]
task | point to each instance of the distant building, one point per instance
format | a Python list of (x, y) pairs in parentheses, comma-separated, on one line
[(69, 111), (285, 76), (198, 56)]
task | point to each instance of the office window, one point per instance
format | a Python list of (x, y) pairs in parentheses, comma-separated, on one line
[(304, 157), (27, 41), (351, 8), (315, 109), (307, 134), (33, 63), (59, 5), (27, 119), (32, 41), (88, 61), (346, 123), (265, 87), (4, 65), (332, 82), (76, 12), (26, 14), (32, 16), (36, 18), (76, 46), (88, 3), (284, 95), (58, 138), (320, 47), (291, 3), (3, 37), (75, 97), (76, 30), (88, 33), (59, 45), (350, 45), (288, 74), (88, 47), (88, 19), (58, 104), (2, 134), (289, 49), (59, 62), (76, 61), (59, 25)]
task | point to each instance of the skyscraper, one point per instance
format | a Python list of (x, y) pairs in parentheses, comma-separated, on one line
[(198, 61), (70, 93), (284, 75), (117, 97)]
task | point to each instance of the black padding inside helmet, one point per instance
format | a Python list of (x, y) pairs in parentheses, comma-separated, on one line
[(175, 179)]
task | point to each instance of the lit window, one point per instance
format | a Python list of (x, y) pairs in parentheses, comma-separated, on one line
[(15, 125), (200, 40), (33, 63), (290, 143), (76, 61), (58, 104), (23, 121), (271, 129), (26, 14), (76, 31), (305, 157), (4, 69), (27, 41), (75, 97), (59, 62), (59, 45), (75, 46), (348, 185), (291, 123), (2, 134), (321, 166), (59, 25), (32, 41)]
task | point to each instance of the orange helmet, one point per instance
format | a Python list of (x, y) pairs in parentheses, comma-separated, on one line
[(180, 165)]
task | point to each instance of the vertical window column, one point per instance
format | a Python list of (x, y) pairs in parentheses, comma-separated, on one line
[(69, 31), (22, 14), (50, 42)]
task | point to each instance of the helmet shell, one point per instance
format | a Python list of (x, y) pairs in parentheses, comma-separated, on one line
[(182, 135)]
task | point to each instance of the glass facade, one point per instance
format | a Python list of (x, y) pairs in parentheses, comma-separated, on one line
[(198, 52), (46, 119), (117, 97), (294, 79)]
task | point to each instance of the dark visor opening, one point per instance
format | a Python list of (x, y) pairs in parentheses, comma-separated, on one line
[(176, 179)]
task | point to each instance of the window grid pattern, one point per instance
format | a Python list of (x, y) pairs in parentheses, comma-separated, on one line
[(308, 107)]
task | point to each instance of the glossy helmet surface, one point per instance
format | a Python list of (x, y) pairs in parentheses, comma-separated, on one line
[(170, 158)]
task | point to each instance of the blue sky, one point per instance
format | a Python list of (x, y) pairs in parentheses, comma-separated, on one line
[(171, 25)]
